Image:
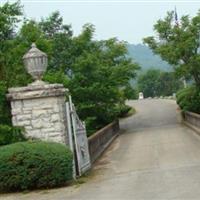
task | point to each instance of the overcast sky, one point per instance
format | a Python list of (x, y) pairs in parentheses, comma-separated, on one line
[(126, 20)]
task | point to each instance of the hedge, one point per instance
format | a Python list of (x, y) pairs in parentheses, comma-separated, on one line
[(9, 134), (189, 99), (31, 165)]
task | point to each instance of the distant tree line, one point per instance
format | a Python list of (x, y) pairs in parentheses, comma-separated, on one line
[(156, 83)]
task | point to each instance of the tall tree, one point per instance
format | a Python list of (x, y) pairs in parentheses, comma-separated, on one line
[(178, 44), (9, 17), (96, 72)]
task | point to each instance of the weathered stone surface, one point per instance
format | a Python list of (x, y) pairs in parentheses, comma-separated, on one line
[(23, 117), (29, 127), (24, 123), (14, 120), (48, 130), (36, 91), (56, 109), (40, 109), (35, 134), (58, 126), (40, 124), (55, 117), (36, 114), (16, 111), (16, 104)]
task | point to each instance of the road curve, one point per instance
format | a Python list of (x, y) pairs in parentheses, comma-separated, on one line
[(155, 158)]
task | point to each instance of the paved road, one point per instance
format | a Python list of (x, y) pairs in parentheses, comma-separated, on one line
[(154, 158)]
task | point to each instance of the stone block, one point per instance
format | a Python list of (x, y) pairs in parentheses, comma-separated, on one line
[(55, 118), (56, 108), (29, 127), (24, 123), (28, 110), (23, 117), (24, 111), (58, 126), (16, 111), (34, 133), (57, 139), (36, 114), (40, 123), (30, 103), (48, 130), (17, 104), (54, 134)]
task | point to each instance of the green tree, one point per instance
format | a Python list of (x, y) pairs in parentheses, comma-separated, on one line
[(130, 92), (169, 83), (178, 44), (158, 83), (96, 72), (9, 17), (148, 83), (53, 25)]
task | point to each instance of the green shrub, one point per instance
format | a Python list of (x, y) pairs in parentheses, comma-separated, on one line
[(9, 134), (123, 110), (184, 93), (189, 99), (30, 165)]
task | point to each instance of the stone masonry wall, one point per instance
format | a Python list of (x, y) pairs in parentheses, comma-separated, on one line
[(43, 116)]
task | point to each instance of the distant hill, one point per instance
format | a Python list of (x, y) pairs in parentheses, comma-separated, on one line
[(146, 58)]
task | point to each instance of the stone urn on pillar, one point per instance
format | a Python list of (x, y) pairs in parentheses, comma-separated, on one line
[(39, 107), (35, 62)]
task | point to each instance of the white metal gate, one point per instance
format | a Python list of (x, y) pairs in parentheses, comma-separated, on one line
[(77, 140)]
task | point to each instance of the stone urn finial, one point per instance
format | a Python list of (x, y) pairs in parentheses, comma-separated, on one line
[(35, 62)]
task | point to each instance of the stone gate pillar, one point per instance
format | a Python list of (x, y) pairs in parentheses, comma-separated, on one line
[(41, 110), (39, 107)]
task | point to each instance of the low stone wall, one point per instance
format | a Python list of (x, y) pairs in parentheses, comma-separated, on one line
[(102, 139), (192, 118)]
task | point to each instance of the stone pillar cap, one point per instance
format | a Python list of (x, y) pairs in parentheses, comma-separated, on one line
[(36, 91)]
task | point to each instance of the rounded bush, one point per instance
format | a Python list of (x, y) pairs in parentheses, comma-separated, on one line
[(189, 99), (30, 165)]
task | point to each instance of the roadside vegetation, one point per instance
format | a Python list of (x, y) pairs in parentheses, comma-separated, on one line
[(156, 83), (97, 74), (177, 42), (34, 165), (189, 99)]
